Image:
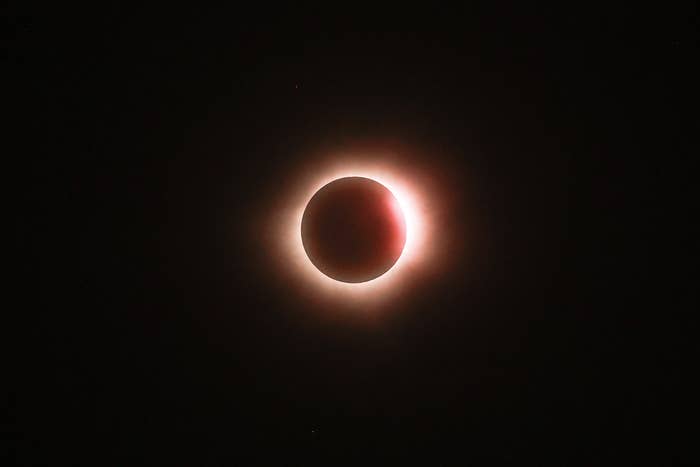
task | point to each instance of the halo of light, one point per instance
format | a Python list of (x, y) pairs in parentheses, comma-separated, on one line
[(413, 203)]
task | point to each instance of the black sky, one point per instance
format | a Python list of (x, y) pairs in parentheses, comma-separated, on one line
[(149, 331)]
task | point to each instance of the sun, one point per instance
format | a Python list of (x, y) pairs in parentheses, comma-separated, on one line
[(413, 203)]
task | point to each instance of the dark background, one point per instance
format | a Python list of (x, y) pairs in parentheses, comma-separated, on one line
[(147, 331)]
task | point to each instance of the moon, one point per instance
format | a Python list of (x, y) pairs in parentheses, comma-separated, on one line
[(353, 229)]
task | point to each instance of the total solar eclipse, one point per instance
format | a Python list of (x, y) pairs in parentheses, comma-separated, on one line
[(353, 229)]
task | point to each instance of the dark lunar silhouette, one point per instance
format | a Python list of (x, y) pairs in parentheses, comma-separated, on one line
[(353, 229)]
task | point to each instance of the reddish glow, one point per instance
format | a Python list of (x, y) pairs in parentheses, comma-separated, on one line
[(413, 203)]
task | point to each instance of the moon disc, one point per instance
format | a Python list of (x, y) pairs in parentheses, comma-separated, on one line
[(353, 229)]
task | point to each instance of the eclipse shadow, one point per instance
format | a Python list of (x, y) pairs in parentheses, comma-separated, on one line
[(353, 229)]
